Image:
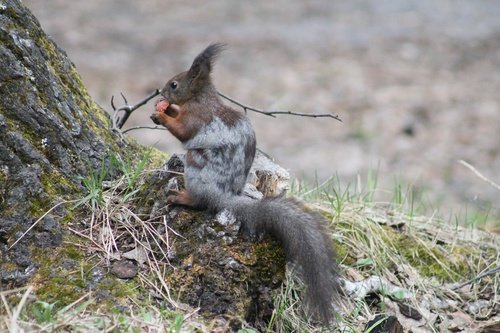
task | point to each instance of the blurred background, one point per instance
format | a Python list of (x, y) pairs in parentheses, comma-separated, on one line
[(416, 82)]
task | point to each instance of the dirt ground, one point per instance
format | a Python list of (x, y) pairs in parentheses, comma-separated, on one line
[(416, 82)]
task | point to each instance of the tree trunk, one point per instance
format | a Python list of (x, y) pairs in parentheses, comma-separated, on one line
[(51, 134)]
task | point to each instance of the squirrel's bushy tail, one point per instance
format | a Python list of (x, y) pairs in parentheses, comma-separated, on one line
[(304, 239)]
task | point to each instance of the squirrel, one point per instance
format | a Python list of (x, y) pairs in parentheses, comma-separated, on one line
[(220, 144)]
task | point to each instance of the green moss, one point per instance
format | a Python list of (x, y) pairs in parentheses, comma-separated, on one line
[(445, 263), (71, 251), (70, 81), (343, 254), (56, 184), (53, 282), (7, 266), (56, 282), (38, 207), (28, 133), (119, 289), (270, 255), (271, 260), (157, 158)]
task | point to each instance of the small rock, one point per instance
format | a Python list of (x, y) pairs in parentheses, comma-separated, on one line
[(227, 240), (210, 231), (173, 184), (409, 312), (251, 191), (138, 254), (49, 223), (383, 323), (225, 217), (124, 269), (230, 263), (479, 308), (458, 321), (68, 263)]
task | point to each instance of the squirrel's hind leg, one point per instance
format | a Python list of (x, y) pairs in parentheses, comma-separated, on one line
[(180, 198)]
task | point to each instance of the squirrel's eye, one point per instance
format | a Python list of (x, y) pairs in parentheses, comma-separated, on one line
[(173, 84)]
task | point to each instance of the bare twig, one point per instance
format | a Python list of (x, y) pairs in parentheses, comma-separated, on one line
[(477, 173), (480, 276), (81, 234), (118, 122), (274, 113), (144, 127)]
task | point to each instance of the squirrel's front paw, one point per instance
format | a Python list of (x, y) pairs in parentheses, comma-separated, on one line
[(163, 106), (156, 118)]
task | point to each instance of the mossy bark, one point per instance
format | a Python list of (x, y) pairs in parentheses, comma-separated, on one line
[(51, 134)]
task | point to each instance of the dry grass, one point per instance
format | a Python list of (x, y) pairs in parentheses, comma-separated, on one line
[(421, 260), (28, 314)]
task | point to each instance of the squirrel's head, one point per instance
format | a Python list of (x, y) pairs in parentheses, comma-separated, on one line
[(196, 80)]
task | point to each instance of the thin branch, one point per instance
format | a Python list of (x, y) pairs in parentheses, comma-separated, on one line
[(273, 113), (118, 122), (477, 173), (480, 276), (144, 127), (245, 107)]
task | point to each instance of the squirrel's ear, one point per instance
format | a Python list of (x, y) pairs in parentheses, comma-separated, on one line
[(202, 64)]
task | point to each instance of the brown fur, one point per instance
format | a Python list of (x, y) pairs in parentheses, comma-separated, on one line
[(229, 117)]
